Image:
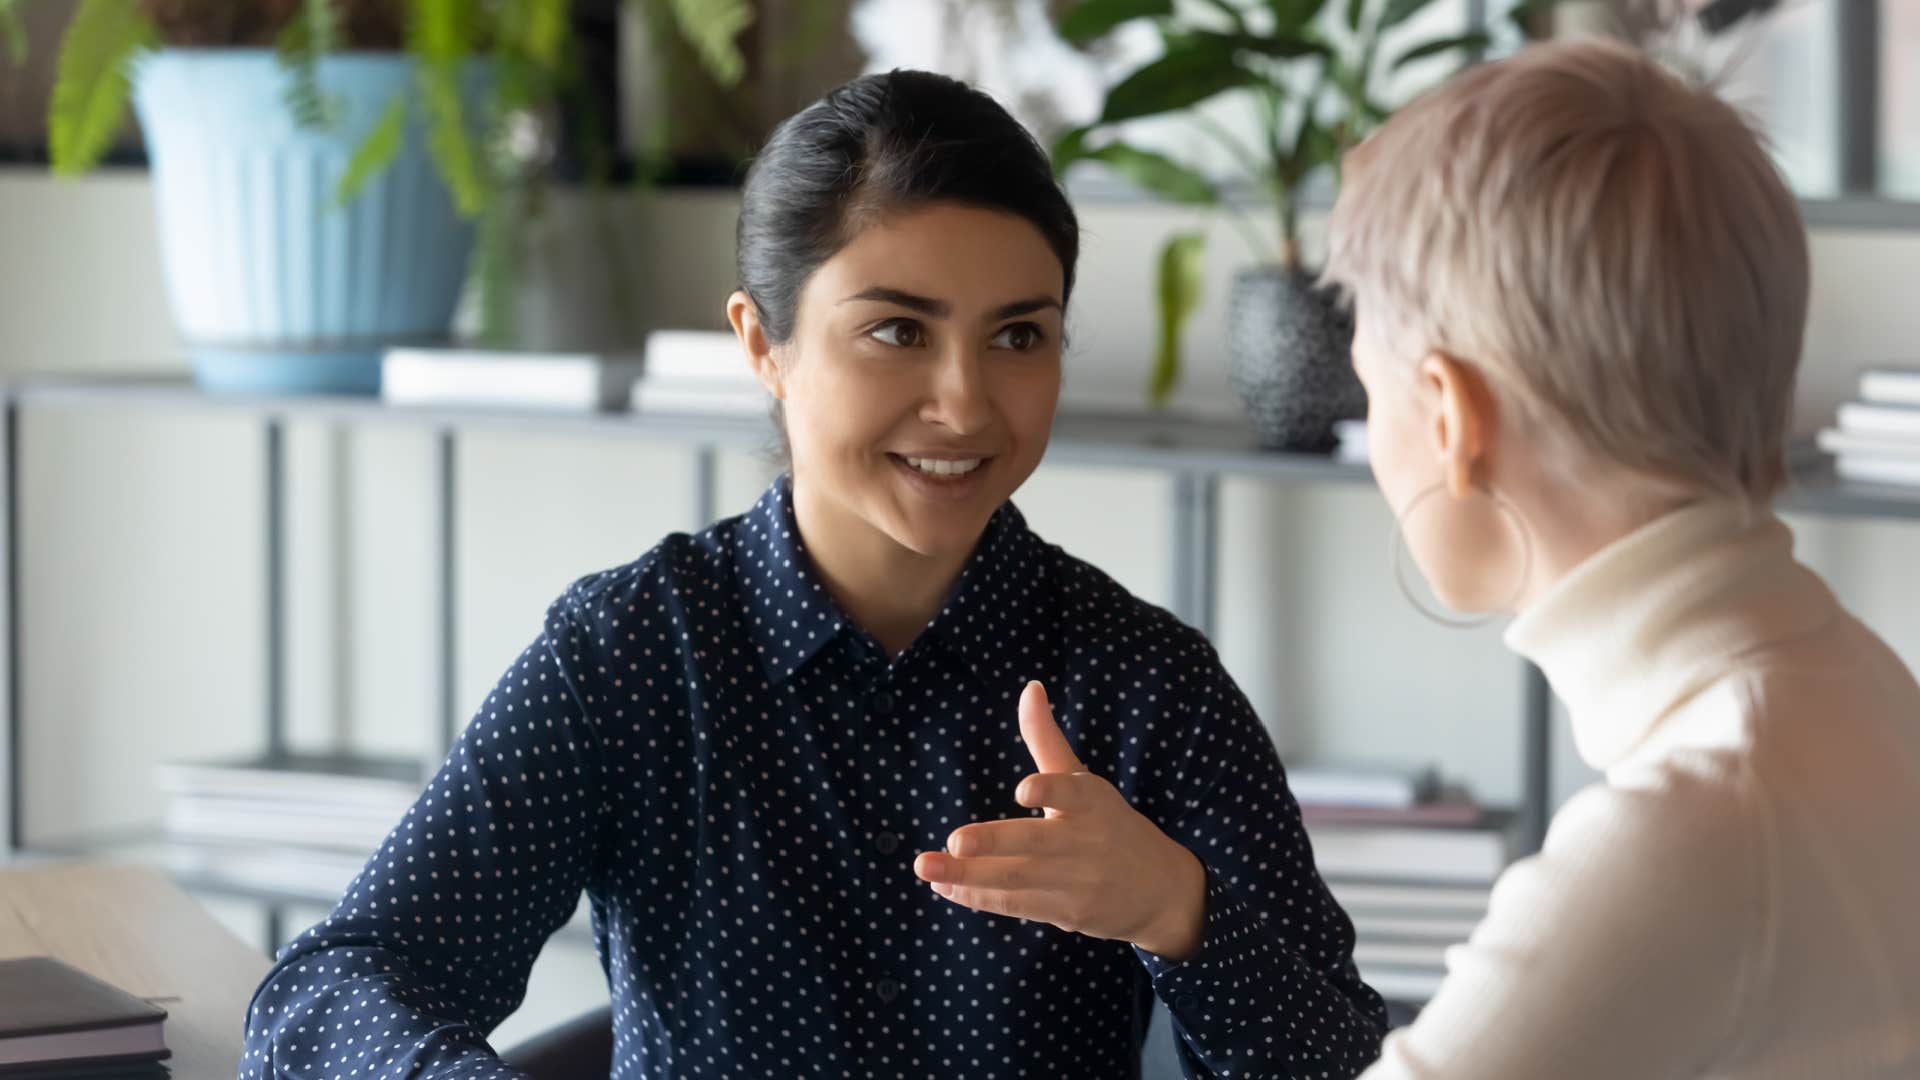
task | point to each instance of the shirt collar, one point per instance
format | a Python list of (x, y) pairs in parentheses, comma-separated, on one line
[(996, 620), (1650, 620), (790, 617)]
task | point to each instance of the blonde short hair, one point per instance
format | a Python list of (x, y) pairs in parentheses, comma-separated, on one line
[(1615, 240)]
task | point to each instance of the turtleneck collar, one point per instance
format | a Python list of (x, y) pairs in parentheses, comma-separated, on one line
[(1651, 619)]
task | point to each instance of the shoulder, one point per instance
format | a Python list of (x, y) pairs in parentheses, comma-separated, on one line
[(681, 570), (1679, 851), (1107, 633), (680, 591)]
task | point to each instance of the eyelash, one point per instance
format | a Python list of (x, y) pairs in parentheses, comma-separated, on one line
[(1038, 336)]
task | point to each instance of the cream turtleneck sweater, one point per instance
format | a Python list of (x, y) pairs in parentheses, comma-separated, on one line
[(1741, 897)]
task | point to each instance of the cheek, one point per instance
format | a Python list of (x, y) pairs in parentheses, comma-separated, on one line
[(1027, 396), (837, 405), (1393, 450)]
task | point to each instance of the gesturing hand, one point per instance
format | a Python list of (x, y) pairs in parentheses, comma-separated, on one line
[(1091, 864)]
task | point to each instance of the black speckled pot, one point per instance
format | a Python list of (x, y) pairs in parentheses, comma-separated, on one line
[(1287, 353)]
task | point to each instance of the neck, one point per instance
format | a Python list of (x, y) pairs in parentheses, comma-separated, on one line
[(888, 590), (1568, 524)]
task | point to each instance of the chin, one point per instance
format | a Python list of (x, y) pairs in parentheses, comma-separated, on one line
[(943, 533)]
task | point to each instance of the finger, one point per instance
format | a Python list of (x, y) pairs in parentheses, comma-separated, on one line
[(991, 901), (1061, 793), (1028, 904), (992, 872), (1016, 836), (1045, 741)]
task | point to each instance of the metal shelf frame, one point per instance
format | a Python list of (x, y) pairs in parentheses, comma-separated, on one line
[(1196, 456)]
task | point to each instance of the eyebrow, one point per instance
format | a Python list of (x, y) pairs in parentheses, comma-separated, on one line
[(940, 309)]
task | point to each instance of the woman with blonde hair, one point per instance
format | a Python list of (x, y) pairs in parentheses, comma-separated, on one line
[(1580, 289)]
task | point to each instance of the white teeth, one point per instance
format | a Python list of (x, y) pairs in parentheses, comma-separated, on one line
[(944, 468)]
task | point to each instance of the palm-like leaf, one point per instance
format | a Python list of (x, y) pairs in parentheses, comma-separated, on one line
[(1180, 278), (310, 35), (1280, 46), (440, 34), (90, 91), (1293, 16), (544, 29), (1194, 69), (1474, 41), (713, 27), (1092, 18), (1156, 173), (1399, 11), (375, 152), (12, 34)]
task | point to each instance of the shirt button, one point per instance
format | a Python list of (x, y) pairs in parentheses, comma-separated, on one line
[(1185, 1002), (883, 702), (886, 843), (886, 990)]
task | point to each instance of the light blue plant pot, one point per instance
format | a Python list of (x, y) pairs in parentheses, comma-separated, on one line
[(275, 286)]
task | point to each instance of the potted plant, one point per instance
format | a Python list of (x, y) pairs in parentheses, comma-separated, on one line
[(321, 167), (1314, 91)]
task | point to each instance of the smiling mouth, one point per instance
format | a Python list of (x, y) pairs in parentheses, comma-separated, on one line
[(948, 470), (939, 467)]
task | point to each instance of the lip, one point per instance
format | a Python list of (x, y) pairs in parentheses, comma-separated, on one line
[(946, 489)]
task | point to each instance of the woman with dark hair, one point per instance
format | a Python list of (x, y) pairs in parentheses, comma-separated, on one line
[(737, 744)]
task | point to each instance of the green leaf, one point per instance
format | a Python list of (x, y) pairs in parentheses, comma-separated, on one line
[(1318, 147), (1399, 11), (375, 152), (1092, 18), (544, 30), (1156, 173), (1475, 40), (1279, 46), (440, 33), (1069, 148), (712, 27), (1526, 16), (1181, 276), (90, 91), (1293, 16), (1356, 11), (1232, 14), (12, 33), (1193, 70), (310, 35)]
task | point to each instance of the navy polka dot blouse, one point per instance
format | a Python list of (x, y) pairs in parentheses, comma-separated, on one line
[(739, 779)]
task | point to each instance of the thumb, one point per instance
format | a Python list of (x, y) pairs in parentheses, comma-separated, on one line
[(1051, 753)]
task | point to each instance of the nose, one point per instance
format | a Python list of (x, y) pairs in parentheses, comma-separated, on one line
[(958, 399)]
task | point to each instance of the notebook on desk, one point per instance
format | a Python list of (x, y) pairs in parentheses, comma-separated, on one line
[(57, 1023)]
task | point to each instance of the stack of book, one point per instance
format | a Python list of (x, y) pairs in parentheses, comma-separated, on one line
[(295, 824), (1411, 860), (59, 1023), (697, 372), (482, 378), (1876, 440)]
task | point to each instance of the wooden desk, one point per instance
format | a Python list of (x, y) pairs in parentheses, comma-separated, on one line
[(133, 928)]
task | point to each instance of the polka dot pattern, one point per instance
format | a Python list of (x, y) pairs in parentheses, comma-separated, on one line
[(739, 778)]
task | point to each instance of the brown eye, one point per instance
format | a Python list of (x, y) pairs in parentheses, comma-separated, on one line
[(1020, 337), (901, 333)]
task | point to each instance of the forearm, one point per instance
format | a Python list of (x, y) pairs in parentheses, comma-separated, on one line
[(1252, 1001)]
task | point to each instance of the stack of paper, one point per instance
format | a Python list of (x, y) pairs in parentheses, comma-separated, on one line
[(295, 823), (1876, 440), (697, 372)]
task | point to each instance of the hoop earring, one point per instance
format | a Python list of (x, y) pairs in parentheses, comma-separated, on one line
[(1468, 620)]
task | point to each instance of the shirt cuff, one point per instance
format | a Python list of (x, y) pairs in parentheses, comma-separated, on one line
[(1232, 928)]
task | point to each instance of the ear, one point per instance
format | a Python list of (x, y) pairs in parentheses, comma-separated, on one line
[(1463, 424), (753, 338)]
